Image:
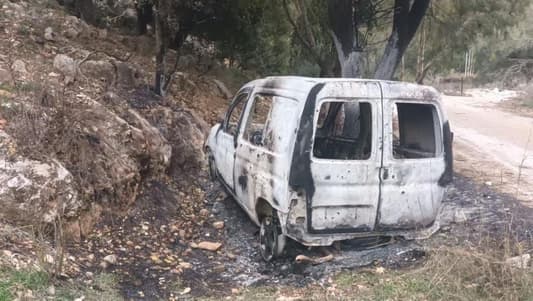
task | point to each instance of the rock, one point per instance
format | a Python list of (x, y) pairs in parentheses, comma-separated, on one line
[(51, 290), (19, 68), (73, 27), (127, 75), (521, 262), (111, 259), (34, 191), (185, 265), (49, 34), (5, 77), (208, 246), (459, 216), (49, 259), (186, 291), (102, 70), (186, 132), (218, 225), (67, 66), (204, 212), (6, 94)]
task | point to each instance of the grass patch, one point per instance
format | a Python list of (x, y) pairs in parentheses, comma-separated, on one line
[(104, 287), (12, 281)]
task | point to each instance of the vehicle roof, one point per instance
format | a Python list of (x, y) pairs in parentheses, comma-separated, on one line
[(390, 89)]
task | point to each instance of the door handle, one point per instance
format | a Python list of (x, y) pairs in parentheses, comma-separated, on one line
[(385, 174)]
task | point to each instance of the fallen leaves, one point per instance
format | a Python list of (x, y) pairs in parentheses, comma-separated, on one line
[(313, 260), (207, 245)]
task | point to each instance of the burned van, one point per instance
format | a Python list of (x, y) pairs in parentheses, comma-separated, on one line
[(321, 160)]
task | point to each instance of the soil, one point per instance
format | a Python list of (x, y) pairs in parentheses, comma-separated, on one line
[(149, 246)]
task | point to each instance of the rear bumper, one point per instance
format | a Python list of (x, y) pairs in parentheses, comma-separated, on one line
[(299, 233)]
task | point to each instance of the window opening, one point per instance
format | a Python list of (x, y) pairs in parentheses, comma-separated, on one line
[(260, 116), (234, 116), (414, 131), (344, 131)]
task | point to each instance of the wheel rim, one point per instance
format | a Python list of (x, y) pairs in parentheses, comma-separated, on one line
[(268, 238)]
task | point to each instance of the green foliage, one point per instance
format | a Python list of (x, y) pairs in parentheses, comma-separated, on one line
[(11, 280), (453, 27)]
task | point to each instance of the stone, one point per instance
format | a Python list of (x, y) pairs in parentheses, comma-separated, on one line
[(127, 75), (49, 259), (73, 27), (208, 246), (521, 262), (111, 259), (218, 225), (67, 66), (19, 68), (34, 191), (459, 216), (51, 290), (49, 34)]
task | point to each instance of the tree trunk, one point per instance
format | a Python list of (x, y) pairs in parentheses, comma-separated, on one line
[(342, 17), (406, 21), (351, 62), (161, 47)]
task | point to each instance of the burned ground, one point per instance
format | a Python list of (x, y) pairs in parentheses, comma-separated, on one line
[(153, 242)]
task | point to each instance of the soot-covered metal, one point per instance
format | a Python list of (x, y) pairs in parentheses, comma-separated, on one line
[(322, 199)]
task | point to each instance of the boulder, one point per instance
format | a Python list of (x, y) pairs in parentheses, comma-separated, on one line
[(186, 132), (67, 66), (74, 27), (102, 70), (34, 191)]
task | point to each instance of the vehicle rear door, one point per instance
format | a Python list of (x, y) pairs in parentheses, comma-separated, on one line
[(413, 163), (345, 158)]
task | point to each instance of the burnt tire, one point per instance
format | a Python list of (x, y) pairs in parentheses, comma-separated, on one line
[(213, 174), (268, 238)]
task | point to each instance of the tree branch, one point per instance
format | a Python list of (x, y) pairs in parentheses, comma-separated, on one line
[(299, 35)]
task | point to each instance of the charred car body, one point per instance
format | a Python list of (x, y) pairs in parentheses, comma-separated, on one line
[(322, 160)]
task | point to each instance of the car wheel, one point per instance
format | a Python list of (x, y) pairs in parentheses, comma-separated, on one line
[(269, 238), (212, 167)]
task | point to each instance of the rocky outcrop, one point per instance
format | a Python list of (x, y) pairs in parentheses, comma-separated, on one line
[(34, 191)]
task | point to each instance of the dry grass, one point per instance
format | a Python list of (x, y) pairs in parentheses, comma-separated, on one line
[(449, 273)]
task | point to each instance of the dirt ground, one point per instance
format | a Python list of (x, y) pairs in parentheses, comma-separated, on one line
[(491, 144)]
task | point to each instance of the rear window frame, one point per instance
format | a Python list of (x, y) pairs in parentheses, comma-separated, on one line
[(438, 125), (373, 102)]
